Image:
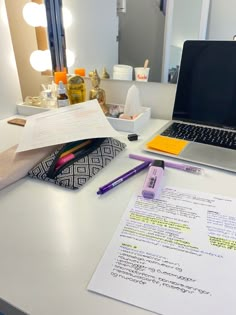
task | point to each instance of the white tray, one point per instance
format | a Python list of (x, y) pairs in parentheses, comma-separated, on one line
[(131, 125), (28, 110)]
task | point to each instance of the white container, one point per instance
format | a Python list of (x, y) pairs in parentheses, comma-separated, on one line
[(141, 74), (131, 125), (122, 76), (122, 72)]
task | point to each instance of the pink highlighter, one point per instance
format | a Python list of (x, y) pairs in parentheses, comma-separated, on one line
[(152, 184)]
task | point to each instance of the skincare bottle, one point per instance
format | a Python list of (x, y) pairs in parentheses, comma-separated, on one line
[(76, 89), (62, 98)]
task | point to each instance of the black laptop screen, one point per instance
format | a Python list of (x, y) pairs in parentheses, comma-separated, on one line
[(206, 90)]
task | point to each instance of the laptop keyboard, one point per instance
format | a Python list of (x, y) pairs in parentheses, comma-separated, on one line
[(216, 137)]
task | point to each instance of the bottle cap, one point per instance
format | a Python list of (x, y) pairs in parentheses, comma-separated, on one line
[(158, 163), (60, 76), (61, 88), (80, 71)]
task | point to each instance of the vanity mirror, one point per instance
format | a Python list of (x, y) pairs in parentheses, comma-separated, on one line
[(92, 35), (151, 29)]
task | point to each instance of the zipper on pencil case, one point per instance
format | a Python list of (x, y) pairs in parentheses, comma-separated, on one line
[(63, 149), (72, 145), (53, 171)]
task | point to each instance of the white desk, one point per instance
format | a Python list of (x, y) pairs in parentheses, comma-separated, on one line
[(51, 239)]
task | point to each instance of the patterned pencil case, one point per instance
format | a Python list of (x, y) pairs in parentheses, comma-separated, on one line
[(94, 155)]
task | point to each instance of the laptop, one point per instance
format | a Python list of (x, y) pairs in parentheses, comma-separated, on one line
[(204, 111)]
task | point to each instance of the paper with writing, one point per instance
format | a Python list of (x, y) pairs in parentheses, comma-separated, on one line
[(76, 122), (173, 256)]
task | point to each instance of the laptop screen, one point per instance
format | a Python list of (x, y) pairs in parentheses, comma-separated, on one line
[(206, 89)]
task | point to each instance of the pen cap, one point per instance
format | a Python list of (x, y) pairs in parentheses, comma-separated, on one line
[(158, 163)]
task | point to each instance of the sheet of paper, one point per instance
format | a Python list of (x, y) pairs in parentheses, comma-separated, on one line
[(169, 145), (83, 121), (173, 256)]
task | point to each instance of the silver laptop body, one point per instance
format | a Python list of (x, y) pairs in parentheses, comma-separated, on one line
[(206, 97)]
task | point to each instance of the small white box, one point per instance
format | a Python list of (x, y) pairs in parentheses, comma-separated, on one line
[(131, 125)]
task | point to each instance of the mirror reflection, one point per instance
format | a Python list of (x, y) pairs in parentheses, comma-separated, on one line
[(220, 26), (108, 32)]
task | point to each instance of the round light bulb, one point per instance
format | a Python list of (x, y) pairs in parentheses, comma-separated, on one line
[(31, 14), (38, 60)]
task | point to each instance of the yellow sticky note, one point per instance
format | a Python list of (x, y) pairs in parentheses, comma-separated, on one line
[(166, 144)]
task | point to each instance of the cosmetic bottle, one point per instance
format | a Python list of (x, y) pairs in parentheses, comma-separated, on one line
[(62, 98), (76, 89)]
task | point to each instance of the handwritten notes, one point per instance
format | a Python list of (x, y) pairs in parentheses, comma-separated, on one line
[(165, 144), (170, 255)]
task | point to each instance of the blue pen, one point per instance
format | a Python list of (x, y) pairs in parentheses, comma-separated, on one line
[(117, 181)]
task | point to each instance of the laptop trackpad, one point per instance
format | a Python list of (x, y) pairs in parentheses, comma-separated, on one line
[(210, 155)]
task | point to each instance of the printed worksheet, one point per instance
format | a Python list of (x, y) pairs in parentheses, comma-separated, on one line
[(173, 256), (77, 122)]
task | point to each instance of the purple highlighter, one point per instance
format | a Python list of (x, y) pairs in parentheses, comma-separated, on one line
[(152, 184)]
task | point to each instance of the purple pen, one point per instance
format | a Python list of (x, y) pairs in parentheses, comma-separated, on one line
[(117, 181), (178, 166)]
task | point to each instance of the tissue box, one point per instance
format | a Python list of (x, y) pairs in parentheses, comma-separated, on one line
[(130, 125)]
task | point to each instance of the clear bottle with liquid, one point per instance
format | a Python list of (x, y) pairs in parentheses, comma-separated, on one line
[(76, 89), (62, 98)]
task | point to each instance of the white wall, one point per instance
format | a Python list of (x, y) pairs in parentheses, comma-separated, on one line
[(222, 20), (95, 24), (185, 24), (10, 92)]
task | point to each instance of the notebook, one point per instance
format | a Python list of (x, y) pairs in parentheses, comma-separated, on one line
[(203, 125)]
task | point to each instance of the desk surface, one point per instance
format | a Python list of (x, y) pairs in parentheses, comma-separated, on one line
[(51, 239)]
